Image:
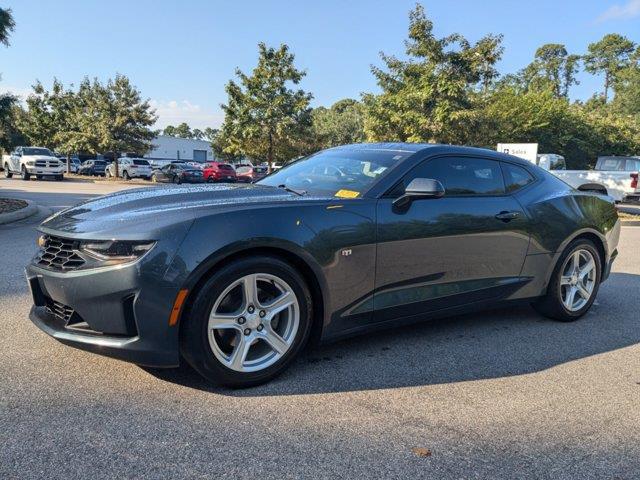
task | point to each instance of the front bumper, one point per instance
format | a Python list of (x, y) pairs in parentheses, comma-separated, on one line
[(45, 171), (106, 311)]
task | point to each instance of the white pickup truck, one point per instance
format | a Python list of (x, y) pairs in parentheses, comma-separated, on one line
[(38, 161), (613, 176)]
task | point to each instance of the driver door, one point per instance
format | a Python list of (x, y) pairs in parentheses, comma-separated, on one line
[(450, 251)]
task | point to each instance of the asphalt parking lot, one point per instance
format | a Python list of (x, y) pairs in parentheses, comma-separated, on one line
[(502, 394)]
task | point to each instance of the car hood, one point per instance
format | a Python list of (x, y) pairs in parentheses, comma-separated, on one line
[(131, 214)]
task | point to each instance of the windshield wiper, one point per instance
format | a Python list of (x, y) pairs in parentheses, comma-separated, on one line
[(293, 190)]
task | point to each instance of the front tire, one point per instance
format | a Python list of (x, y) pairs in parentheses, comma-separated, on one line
[(24, 174), (574, 283), (247, 322)]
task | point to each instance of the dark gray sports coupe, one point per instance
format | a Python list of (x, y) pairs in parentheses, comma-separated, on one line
[(236, 279)]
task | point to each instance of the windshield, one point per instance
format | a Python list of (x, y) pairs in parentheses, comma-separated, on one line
[(341, 173), (37, 151)]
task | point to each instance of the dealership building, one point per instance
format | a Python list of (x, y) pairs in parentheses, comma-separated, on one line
[(166, 148)]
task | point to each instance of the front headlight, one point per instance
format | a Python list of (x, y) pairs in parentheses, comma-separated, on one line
[(113, 252), (31, 163)]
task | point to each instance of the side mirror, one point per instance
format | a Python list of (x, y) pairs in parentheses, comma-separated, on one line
[(419, 188)]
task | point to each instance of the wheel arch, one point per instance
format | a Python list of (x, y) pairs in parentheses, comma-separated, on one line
[(589, 234), (311, 275)]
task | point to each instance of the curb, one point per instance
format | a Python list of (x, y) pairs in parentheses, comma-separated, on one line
[(630, 223), (21, 214)]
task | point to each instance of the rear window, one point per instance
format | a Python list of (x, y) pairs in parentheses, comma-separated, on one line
[(605, 163), (141, 162), (100, 163), (224, 166)]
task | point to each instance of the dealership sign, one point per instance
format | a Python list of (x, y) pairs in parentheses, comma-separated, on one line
[(528, 151)]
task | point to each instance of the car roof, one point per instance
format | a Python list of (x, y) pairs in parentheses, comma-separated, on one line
[(433, 149)]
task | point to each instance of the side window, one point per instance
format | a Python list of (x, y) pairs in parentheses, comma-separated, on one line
[(458, 175), (633, 165), (515, 177)]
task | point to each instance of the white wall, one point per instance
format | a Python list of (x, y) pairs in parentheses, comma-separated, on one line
[(174, 148)]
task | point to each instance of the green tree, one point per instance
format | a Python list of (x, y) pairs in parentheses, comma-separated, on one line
[(431, 96), (181, 131), (552, 69), (608, 57), (10, 135), (265, 118), (341, 124), (209, 133), (125, 119), (7, 101), (96, 118), (38, 124), (7, 25), (627, 88)]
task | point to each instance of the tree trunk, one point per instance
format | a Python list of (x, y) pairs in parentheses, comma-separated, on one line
[(68, 163), (117, 167), (606, 87), (270, 154)]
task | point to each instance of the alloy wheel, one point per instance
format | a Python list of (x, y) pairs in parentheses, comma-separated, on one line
[(578, 280), (253, 322)]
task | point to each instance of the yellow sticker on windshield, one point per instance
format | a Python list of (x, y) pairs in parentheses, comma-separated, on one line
[(346, 194)]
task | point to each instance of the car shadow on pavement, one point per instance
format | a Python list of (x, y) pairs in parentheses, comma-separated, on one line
[(492, 344)]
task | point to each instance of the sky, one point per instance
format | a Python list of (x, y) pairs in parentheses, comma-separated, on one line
[(180, 55)]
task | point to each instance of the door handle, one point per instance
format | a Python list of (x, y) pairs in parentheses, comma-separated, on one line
[(507, 216)]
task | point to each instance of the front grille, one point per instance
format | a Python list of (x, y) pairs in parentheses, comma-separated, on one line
[(59, 254), (41, 163), (59, 310)]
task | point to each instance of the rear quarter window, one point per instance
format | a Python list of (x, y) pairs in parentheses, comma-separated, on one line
[(515, 177)]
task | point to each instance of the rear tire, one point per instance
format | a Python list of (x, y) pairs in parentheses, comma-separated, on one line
[(125, 175), (554, 303), (199, 344), (7, 172)]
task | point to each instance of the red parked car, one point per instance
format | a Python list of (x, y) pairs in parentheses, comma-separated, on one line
[(219, 172), (248, 174)]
